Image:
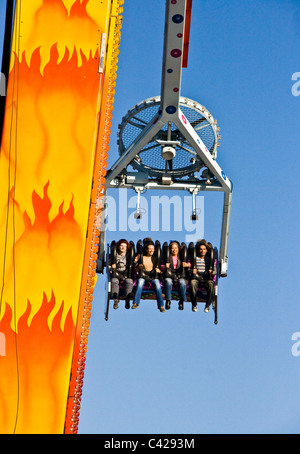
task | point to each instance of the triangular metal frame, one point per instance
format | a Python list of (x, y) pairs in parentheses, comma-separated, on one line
[(174, 53)]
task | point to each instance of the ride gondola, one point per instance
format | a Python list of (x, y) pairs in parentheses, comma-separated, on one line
[(162, 254), (170, 142)]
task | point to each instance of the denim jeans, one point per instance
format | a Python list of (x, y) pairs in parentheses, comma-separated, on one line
[(157, 287), (181, 288)]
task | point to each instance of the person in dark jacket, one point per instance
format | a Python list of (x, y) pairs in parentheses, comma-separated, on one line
[(148, 271), (121, 272), (202, 275), (174, 274)]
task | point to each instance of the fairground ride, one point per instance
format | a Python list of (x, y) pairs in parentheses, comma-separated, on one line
[(59, 67)]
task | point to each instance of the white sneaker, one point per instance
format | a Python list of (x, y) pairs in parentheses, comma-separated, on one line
[(194, 309), (206, 309)]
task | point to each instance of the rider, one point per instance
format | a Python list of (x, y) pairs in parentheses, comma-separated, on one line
[(121, 272), (202, 275), (148, 271), (174, 274)]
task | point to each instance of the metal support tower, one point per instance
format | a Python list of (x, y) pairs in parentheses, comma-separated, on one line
[(170, 137)]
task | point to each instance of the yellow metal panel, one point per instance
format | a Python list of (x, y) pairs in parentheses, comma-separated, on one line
[(52, 155)]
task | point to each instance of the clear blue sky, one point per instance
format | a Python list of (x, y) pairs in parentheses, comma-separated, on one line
[(177, 372)]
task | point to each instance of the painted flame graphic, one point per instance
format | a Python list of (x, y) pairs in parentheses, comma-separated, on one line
[(52, 172), (42, 354)]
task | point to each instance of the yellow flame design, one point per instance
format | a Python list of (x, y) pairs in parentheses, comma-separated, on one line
[(52, 166)]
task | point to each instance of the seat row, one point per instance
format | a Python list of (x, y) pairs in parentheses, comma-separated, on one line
[(173, 271)]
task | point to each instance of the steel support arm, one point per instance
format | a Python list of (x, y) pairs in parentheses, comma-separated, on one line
[(223, 259), (173, 54), (137, 145), (191, 135)]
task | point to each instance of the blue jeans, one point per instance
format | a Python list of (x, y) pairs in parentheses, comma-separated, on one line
[(158, 291), (181, 288)]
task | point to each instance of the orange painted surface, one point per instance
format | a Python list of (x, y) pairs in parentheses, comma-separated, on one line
[(52, 166)]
